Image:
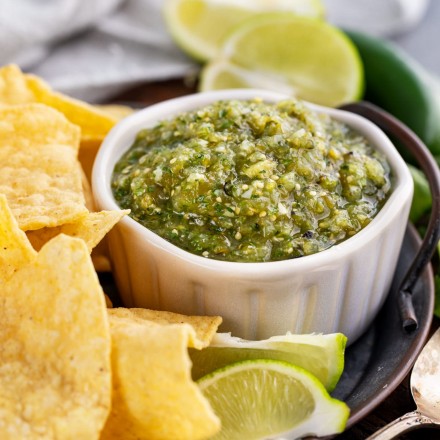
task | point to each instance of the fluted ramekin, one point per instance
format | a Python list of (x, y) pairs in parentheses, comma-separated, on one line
[(337, 290)]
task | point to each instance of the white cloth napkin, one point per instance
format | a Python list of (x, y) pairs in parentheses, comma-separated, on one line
[(92, 49)]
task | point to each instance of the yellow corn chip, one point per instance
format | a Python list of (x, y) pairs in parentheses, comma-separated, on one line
[(116, 111), (55, 378), (204, 327), (88, 193), (91, 228), (13, 87), (108, 301), (19, 88), (154, 396), (39, 172), (94, 123), (100, 253), (87, 154), (15, 249), (100, 257), (90, 146)]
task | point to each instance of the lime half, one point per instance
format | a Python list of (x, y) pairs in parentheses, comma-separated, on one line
[(301, 56), (199, 26), (260, 399), (321, 355)]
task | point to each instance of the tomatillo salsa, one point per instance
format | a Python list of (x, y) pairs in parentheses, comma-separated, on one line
[(247, 181)]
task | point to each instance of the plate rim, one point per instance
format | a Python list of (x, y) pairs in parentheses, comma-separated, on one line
[(402, 369)]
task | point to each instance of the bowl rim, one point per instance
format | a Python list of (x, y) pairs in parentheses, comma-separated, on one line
[(113, 147)]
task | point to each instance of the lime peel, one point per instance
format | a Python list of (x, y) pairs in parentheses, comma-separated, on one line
[(321, 355)]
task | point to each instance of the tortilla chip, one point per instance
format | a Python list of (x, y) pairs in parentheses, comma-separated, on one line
[(90, 146), (94, 123), (101, 258), (39, 172), (19, 88), (15, 249), (13, 87), (91, 228), (204, 327), (100, 253), (55, 375), (108, 301), (87, 191), (116, 111), (154, 396), (87, 154)]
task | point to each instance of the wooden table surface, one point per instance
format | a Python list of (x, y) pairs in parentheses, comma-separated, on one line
[(400, 401)]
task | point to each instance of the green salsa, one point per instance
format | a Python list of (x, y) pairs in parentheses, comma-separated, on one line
[(248, 181)]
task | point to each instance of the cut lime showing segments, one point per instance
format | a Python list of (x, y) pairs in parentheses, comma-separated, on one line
[(260, 399), (305, 57), (199, 26), (321, 355)]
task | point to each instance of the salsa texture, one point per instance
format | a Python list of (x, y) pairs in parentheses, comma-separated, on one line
[(247, 181)]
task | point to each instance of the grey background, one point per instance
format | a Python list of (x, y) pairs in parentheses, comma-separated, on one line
[(423, 42)]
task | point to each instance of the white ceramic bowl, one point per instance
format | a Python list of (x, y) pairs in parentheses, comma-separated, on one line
[(337, 290)]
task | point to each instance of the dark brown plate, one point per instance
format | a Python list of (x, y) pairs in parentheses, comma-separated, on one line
[(379, 361)]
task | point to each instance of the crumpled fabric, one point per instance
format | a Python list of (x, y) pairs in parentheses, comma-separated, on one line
[(90, 49), (94, 49)]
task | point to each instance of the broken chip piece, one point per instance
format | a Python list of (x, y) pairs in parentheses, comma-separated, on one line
[(91, 228), (204, 327), (154, 396), (39, 171), (15, 249)]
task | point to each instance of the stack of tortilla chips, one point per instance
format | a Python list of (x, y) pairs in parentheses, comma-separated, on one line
[(69, 367), (48, 144)]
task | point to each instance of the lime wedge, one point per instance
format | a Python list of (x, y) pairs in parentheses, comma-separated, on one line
[(199, 26), (321, 355), (301, 56), (261, 398)]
